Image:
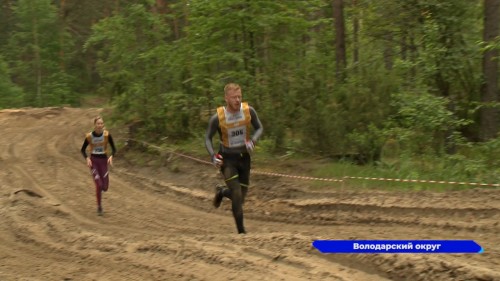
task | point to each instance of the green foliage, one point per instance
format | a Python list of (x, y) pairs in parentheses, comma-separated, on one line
[(257, 44), (421, 122), (34, 53), (10, 95), (478, 162), (139, 74)]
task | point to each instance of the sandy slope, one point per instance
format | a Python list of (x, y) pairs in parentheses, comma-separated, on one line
[(159, 225)]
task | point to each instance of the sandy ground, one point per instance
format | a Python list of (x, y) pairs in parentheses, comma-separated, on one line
[(159, 223)]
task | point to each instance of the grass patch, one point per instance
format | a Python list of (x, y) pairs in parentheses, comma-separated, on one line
[(383, 178)]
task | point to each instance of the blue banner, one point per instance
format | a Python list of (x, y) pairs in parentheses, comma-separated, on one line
[(397, 246)]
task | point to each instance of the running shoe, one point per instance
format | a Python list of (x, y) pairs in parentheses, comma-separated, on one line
[(218, 196)]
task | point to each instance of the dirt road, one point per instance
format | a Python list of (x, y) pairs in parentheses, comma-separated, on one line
[(159, 224)]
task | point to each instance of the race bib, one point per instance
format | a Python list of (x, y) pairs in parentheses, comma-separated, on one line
[(98, 150), (237, 136)]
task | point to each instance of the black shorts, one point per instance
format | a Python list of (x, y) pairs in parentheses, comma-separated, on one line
[(236, 164)]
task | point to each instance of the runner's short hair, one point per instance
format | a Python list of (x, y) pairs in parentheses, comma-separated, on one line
[(231, 87)]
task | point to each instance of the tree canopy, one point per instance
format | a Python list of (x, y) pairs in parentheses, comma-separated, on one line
[(333, 77)]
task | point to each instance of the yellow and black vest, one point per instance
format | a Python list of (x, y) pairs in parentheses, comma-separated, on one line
[(98, 145), (235, 127)]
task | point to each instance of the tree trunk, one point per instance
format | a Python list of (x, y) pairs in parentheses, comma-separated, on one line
[(340, 52), (6, 20), (355, 33), (388, 52), (62, 27), (489, 88), (38, 63)]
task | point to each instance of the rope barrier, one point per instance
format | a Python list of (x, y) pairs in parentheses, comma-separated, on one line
[(323, 179), (298, 177), (425, 181)]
